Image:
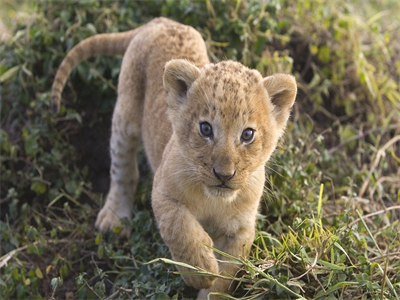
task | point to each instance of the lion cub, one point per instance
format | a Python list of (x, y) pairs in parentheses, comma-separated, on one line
[(207, 129)]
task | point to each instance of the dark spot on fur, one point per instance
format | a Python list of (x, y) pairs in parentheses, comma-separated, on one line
[(59, 81), (79, 52), (172, 32), (69, 61)]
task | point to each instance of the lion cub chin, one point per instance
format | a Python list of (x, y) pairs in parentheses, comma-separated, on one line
[(208, 131)]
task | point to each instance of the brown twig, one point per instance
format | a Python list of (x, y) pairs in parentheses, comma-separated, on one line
[(382, 211), (379, 181), (309, 269)]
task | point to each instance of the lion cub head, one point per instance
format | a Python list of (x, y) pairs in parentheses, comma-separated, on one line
[(227, 120)]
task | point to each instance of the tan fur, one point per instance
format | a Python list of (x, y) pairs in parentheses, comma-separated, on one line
[(206, 189), (106, 43)]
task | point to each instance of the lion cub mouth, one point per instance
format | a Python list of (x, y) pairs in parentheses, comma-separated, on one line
[(221, 191), (223, 186)]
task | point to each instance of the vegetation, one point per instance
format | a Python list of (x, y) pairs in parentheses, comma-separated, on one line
[(329, 221)]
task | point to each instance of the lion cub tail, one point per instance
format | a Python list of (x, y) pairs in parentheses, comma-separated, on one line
[(106, 43)]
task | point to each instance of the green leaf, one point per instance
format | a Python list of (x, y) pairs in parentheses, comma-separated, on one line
[(64, 272), (10, 74), (32, 233), (99, 238), (39, 273), (38, 187), (324, 54), (100, 251), (3, 283)]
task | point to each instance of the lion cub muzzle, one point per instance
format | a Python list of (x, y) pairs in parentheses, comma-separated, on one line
[(224, 177)]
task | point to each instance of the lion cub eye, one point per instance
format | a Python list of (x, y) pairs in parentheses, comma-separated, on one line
[(206, 129), (247, 135)]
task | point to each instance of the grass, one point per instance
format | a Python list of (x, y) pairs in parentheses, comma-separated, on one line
[(328, 226)]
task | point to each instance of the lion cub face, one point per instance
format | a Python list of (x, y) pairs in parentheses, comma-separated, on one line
[(227, 119)]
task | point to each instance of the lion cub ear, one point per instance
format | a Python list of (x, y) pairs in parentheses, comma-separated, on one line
[(282, 90), (179, 75)]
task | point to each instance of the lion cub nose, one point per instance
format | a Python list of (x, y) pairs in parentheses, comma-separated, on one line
[(223, 177)]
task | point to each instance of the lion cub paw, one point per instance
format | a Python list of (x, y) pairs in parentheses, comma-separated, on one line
[(199, 281), (207, 263), (110, 217)]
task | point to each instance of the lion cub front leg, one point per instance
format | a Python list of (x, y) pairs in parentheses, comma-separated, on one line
[(185, 238), (124, 174), (237, 245)]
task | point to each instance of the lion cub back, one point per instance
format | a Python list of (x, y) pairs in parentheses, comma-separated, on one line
[(156, 43)]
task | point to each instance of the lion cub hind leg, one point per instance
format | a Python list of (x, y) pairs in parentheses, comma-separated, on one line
[(125, 138)]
